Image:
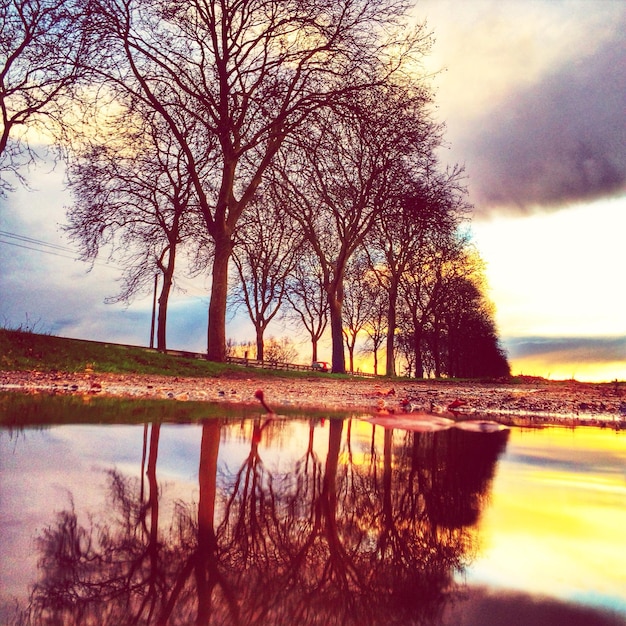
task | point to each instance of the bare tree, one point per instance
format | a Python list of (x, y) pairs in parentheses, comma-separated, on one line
[(439, 261), (359, 302), (264, 255), (336, 180), (376, 324), (429, 202), (134, 197), (307, 298), (42, 43), (249, 73), (281, 350)]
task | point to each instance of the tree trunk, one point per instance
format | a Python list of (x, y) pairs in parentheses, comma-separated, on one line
[(335, 303), (163, 301), (417, 350), (216, 344), (436, 356), (390, 367), (153, 502), (329, 490), (207, 543), (259, 343)]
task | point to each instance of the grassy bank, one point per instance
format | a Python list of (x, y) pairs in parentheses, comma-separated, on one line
[(28, 351), (24, 351)]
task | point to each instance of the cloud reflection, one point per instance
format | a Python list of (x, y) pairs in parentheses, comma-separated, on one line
[(487, 607), (558, 507)]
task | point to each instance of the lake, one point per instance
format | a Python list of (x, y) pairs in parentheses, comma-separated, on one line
[(119, 512)]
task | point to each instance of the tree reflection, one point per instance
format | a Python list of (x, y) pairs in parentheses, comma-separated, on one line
[(367, 537), (115, 570)]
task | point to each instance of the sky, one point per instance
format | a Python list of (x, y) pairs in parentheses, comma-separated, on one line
[(532, 93)]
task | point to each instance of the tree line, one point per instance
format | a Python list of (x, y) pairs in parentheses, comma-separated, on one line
[(286, 148)]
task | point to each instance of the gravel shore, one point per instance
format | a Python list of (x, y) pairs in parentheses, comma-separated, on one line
[(531, 401)]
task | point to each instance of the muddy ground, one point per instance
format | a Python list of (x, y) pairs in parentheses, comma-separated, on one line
[(528, 401)]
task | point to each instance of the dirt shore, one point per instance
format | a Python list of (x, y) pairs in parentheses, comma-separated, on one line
[(531, 401)]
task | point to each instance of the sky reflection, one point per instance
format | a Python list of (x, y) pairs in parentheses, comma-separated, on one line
[(557, 518), (376, 513)]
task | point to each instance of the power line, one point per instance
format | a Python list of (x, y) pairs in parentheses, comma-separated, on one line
[(38, 242), (18, 245), (57, 250)]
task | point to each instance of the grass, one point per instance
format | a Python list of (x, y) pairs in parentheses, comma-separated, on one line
[(21, 351), (21, 410), (18, 411), (24, 350), (28, 351)]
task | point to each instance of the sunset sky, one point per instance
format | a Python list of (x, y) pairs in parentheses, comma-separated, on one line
[(533, 96)]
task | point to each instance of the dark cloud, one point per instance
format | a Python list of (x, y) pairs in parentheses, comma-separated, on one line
[(561, 141), (568, 349)]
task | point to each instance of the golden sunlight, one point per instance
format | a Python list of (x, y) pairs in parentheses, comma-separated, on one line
[(570, 509), (590, 372)]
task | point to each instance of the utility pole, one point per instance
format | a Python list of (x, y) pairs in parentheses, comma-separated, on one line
[(154, 299)]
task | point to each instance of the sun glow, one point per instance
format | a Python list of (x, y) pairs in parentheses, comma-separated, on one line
[(566, 370)]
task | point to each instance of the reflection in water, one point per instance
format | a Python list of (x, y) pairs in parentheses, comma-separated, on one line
[(557, 521), (356, 529), (273, 521)]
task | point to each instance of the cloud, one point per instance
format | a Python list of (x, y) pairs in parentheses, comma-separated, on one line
[(560, 141), (593, 359), (487, 606), (557, 349), (45, 288)]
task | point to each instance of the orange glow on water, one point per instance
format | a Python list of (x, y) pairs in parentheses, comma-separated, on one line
[(558, 515)]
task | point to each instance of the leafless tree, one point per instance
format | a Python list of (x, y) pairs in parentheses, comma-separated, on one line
[(359, 302), (266, 246), (249, 73), (430, 204), (307, 298), (132, 195), (425, 287), (336, 180), (280, 350), (376, 324), (42, 44)]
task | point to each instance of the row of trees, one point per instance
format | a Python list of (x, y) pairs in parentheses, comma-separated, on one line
[(290, 140)]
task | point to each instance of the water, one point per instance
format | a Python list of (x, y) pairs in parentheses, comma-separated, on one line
[(242, 519)]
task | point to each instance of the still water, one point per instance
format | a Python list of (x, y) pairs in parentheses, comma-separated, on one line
[(242, 519)]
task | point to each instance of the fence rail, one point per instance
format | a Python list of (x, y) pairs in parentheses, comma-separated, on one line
[(272, 365), (279, 365)]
